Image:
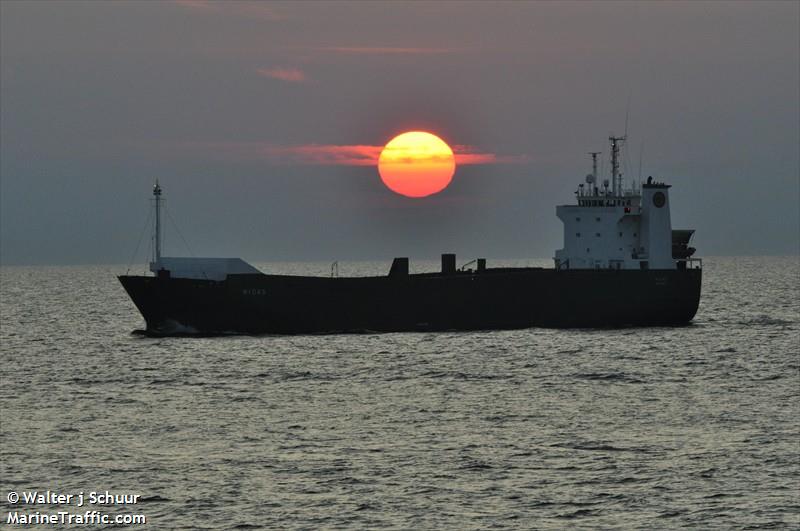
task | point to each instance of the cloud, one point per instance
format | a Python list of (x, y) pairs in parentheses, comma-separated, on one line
[(337, 155), (384, 50), (203, 5), (325, 155), (245, 9), (290, 75), (366, 155), (468, 155)]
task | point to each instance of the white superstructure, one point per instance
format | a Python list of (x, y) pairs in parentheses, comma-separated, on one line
[(616, 227)]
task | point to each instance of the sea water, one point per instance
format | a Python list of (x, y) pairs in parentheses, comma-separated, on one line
[(695, 426)]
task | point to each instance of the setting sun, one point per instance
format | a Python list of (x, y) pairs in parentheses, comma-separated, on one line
[(416, 164)]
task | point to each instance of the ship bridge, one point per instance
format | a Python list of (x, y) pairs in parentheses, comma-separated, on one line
[(616, 227)]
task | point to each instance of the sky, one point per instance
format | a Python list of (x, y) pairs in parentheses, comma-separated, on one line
[(263, 121)]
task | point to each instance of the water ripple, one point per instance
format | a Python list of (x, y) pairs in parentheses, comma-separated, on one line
[(690, 427)]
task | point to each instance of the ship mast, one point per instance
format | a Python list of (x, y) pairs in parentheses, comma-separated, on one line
[(594, 155), (157, 195), (616, 176)]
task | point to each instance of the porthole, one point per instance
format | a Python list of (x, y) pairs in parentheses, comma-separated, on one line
[(659, 199)]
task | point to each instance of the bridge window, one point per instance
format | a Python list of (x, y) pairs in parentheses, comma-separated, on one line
[(578, 234), (597, 234), (577, 219), (620, 235), (598, 219)]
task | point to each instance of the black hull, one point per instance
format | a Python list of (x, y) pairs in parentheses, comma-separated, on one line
[(492, 299)]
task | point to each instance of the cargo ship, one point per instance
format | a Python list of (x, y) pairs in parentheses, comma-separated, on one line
[(621, 265)]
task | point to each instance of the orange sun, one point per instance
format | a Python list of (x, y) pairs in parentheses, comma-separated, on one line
[(416, 164)]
